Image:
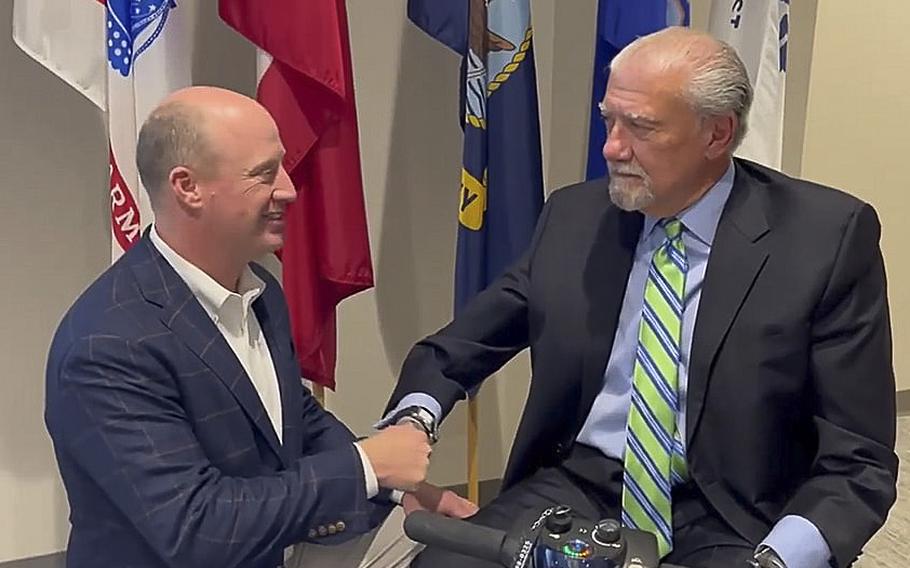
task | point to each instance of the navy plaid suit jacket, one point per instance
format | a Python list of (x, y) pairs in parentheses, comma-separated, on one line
[(166, 452)]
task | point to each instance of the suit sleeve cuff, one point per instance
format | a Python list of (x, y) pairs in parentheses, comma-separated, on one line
[(413, 399), (369, 475), (798, 543)]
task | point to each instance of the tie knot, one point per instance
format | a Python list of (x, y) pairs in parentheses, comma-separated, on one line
[(673, 227)]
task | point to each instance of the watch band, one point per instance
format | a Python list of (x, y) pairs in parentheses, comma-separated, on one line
[(420, 417), (766, 557)]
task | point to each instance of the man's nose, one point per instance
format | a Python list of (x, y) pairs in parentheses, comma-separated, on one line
[(616, 148), (284, 189)]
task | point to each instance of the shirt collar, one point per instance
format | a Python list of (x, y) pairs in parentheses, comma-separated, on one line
[(701, 218), (213, 296)]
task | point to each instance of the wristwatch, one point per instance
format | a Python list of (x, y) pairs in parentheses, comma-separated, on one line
[(765, 557), (420, 417)]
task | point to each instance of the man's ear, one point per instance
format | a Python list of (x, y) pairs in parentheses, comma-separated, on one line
[(721, 131), (183, 183)]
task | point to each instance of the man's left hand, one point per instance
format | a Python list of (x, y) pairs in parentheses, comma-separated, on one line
[(437, 500)]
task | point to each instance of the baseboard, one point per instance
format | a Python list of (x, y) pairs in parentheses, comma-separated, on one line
[(903, 403), (57, 560)]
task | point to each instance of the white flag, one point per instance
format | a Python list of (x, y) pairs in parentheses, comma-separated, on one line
[(67, 37), (124, 55), (759, 31), (149, 47)]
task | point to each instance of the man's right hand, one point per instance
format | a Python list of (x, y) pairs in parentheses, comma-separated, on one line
[(400, 456)]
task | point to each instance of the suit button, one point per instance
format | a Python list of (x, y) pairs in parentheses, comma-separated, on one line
[(560, 450), (312, 533), (340, 526), (332, 529), (323, 531)]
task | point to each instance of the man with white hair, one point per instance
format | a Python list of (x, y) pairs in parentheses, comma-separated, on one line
[(710, 340)]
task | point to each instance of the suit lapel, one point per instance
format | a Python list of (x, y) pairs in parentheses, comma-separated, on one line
[(605, 278), (185, 317), (287, 373), (738, 255)]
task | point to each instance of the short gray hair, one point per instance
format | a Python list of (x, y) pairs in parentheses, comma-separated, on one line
[(718, 82), (171, 136)]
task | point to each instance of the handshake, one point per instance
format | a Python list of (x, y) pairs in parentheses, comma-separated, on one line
[(400, 456)]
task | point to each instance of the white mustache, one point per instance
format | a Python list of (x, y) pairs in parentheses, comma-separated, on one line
[(627, 170)]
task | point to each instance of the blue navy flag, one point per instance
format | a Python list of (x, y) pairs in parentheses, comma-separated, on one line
[(501, 180), (619, 22)]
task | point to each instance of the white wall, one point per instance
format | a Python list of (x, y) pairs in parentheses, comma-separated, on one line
[(856, 131), (52, 228)]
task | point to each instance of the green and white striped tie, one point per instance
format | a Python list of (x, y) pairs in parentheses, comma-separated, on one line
[(654, 460)]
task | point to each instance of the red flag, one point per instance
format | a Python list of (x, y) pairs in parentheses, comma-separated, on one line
[(309, 90)]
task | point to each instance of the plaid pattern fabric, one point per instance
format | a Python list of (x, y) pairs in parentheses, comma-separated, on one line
[(165, 449)]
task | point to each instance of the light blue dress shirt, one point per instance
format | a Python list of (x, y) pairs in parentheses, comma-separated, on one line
[(795, 539), (605, 428)]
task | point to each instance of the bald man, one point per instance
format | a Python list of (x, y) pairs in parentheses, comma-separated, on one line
[(182, 430), (709, 338)]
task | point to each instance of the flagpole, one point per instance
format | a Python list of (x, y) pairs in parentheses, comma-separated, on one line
[(512, 163), (319, 394), (473, 474)]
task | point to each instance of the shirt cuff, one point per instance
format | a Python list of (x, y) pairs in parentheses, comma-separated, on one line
[(798, 543), (372, 484), (413, 399)]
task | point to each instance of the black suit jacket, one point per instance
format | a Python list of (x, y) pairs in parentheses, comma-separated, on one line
[(791, 399), (165, 449)]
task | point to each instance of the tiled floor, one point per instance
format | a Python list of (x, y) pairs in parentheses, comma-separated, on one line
[(890, 548)]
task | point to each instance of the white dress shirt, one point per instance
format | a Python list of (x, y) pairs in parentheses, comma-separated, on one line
[(233, 315)]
